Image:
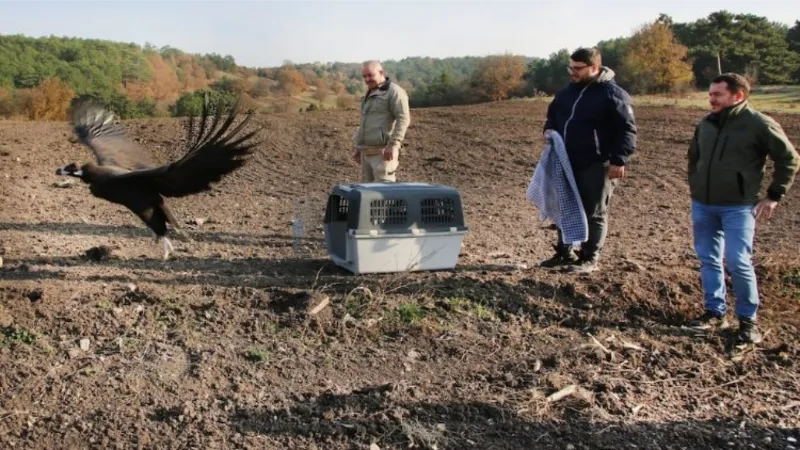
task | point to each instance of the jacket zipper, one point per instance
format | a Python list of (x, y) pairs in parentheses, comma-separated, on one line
[(710, 160), (566, 124), (365, 113), (722, 150)]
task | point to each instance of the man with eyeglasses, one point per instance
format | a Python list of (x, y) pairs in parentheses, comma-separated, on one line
[(382, 127), (594, 117)]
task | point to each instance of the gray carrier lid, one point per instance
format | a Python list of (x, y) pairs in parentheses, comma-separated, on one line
[(396, 207)]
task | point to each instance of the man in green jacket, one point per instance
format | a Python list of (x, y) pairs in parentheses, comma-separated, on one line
[(382, 127), (727, 160)]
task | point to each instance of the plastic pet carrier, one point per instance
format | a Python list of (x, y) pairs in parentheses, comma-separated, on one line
[(394, 227)]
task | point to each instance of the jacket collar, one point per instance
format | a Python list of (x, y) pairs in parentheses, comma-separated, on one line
[(382, 87), (605, 75), (728, 114)]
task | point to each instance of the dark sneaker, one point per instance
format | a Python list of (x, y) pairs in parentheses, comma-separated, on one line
[(748, 332), (560, 259), (583, 266), (708, 321)]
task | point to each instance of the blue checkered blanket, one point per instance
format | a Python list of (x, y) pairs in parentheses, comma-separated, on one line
[(554, 192)]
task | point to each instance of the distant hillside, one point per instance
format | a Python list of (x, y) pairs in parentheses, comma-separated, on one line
[(40, 76)]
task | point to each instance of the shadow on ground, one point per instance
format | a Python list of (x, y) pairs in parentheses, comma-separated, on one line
[(372, 414)]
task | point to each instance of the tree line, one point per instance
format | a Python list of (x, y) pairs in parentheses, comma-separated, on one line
[(39, 77)]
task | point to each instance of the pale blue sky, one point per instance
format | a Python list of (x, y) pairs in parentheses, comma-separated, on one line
[(265, 33)]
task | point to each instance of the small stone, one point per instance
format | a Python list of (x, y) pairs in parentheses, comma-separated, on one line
[(374, 446), (64, 184), (791, 440), (84, 345)]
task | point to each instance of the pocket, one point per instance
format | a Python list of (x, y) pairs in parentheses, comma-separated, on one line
[(373, 135)]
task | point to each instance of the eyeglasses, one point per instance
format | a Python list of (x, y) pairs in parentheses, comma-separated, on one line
[(576, 69)]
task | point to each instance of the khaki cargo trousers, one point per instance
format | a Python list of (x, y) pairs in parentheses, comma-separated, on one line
[(375, 168)]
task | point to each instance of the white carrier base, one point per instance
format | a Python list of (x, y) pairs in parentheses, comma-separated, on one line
[(394, 252)]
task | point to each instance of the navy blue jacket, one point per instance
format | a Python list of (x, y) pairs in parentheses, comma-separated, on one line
[(595, 120)]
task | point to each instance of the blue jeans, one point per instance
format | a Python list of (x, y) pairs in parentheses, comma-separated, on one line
[(730, 229)]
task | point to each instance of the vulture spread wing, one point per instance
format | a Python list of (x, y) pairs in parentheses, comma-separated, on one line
[(211, 154), (94, 126)]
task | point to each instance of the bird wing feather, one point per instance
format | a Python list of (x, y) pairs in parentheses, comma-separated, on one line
[(211, 155), (94, 125)]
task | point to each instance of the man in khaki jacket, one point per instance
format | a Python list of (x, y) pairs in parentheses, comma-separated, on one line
[(382, 127)]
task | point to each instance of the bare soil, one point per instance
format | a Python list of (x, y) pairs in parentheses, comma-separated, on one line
[(104, 345)]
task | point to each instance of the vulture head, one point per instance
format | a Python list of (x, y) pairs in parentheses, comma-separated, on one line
[(72, 170)]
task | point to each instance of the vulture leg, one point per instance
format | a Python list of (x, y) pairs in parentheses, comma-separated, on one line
[(171, 219), (156, 220), (167, 247)]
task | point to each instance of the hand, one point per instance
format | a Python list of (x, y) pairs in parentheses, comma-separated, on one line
[(356, 156), (765, 208), (388, 154), (616, 171)]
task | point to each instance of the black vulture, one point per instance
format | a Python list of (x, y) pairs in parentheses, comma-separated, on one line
[(126, 175)]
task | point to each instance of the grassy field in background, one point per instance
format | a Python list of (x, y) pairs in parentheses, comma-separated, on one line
[(766, 99)]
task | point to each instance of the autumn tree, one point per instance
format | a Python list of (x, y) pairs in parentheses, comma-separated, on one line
[(291, 81), (338, 88), (321, 93), (6, 103), (230, 85), (654, 61), (49, 101), (165, 85), (499, 76), (260, 88)]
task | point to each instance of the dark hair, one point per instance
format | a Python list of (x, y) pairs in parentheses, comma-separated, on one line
[(588, 56), (736, 83)]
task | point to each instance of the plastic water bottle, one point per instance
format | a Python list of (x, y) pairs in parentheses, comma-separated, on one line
[(297, 228)]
